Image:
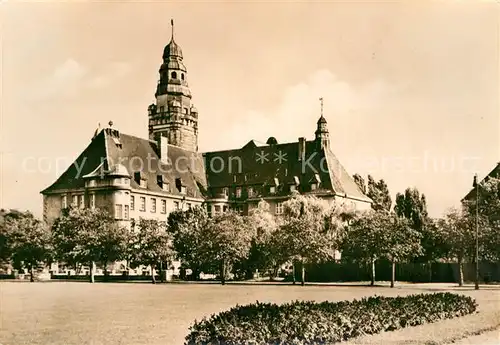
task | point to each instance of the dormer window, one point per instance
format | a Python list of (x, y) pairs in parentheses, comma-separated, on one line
[(140, 179), (117, 142), (293, 188), (250, 191), (179, 185), (163, 183), (238, 192), (314, 186), (225, 191), (272, 189)]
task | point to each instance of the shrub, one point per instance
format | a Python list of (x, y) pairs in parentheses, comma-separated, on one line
[(301, 323)]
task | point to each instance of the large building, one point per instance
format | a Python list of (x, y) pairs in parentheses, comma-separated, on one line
[(136, 177)]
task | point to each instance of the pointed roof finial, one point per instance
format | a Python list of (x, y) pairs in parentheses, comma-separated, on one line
[(172, 23), (321, 101)]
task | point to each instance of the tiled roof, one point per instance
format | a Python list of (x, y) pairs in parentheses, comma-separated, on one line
[(256, 166), (136, 154), (494, 173), (259, 166)]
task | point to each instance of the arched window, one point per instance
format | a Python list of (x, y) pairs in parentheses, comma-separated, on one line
[(182, 76), (174, 75)]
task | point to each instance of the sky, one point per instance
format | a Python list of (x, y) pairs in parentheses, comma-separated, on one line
[(410, 89)]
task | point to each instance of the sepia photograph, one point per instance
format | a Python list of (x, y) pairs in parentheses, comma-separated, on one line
[(249, 172)]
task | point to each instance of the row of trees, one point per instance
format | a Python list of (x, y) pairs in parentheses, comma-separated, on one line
[(452, 237), (309, 231)]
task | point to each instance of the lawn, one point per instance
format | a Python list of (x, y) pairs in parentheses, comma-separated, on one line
[(53, 313)]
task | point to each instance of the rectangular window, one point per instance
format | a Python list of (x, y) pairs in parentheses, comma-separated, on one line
[(143, 203), (314, 186), (279, 208), (164, 206), (225, 191), (250, 192), (132, 202), (126, 212), (272, 189), (176, 204), (75, 200), (92, 200), (118, 211), (64, 201), (153, 205), (238, 192), (82, 201), (209, 210)]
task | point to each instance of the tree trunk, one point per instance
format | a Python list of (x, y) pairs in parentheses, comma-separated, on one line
[(153, 278), (303, 275), (293, 272), (372, 283), (393, 275), (430, 271), (223, 272), (162, 280), (460, 271), (31, 274), (105, 271), (92, 269)]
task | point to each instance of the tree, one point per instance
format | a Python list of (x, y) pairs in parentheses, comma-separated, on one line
[(87, 236), (6, 235), (374, 235), (458, 232), (187, 230), (379, 193), (413, 206), (403, 242), (227, 240), (489, 217), (264, 254), (309, 231), (360, 182), (30, 241), (152, 245)]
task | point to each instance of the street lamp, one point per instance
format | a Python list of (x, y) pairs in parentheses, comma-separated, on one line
[(476, 185)]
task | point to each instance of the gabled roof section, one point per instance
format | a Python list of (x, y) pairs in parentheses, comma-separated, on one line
[(103, 157), (495, 173), (263, 165), (87, 162)]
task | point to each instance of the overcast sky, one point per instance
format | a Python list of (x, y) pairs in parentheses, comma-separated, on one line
[(411, 91)]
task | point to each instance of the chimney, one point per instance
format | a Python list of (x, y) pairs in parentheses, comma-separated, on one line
[(302, 148), (163, 147)]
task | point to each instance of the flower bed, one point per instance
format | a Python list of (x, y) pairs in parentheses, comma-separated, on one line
[(325, 323)]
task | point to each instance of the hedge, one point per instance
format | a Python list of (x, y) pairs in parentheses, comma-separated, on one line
[(307, 322)]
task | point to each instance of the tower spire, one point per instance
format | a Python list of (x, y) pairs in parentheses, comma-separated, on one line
[(321, 102), (172, 24)]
